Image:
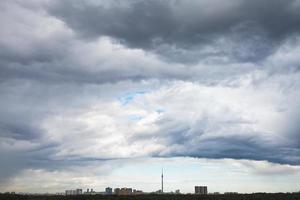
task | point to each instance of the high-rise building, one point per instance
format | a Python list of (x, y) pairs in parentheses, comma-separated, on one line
[(108, 190), (116, 190), (123, 191), (68, 192), (200, 189), (73, 192), (78, 191)]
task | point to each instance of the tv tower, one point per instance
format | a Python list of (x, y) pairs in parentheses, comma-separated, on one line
[(162, 180)]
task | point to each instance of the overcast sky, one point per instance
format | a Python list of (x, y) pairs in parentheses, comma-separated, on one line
[(103, 93)]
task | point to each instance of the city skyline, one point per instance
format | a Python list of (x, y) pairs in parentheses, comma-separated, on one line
[(237, 175), (98, 93)]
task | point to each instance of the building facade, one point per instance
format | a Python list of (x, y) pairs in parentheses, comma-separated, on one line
[(200, 189), (108, 190), (137, 192), (73, 192), (123, 191)]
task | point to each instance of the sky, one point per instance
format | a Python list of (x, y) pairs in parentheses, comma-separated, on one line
[(101, 93)]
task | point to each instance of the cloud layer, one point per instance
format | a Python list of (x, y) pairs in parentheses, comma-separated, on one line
[(92, 81)]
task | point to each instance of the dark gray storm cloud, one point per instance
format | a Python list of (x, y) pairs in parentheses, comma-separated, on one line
[(182, 27), (139, 23), (236, 147), (195, 140)]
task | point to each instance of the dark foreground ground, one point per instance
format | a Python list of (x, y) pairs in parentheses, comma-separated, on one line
[(278, 196)]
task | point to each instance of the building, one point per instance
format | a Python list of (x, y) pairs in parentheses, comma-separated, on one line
[(73, 192), (108, 190), (137, 192), (123, 191), (116, 190), (231, 193), (200, 189), (158, 192), (90, 191), (78, 191)]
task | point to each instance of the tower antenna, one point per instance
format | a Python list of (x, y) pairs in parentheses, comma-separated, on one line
[(162, 180)]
